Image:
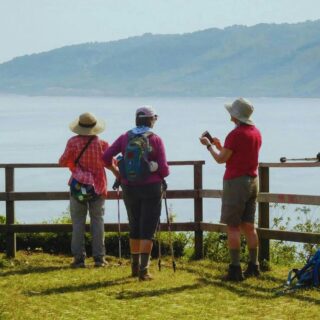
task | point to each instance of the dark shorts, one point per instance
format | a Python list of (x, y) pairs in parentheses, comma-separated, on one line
[(143, 204), (239, 200)]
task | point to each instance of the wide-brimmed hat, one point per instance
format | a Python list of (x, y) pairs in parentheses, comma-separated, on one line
[(146, 112), (241, 109), (87, 125)]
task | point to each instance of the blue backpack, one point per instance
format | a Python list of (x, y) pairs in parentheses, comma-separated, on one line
[(308, 276), (134, 165)]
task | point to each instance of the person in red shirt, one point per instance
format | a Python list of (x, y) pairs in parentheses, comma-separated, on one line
[(240, 152), (88, 170)]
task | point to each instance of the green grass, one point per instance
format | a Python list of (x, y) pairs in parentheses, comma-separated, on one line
[(41, 286)]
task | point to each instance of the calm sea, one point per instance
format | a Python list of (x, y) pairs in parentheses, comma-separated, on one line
[(35, 130)]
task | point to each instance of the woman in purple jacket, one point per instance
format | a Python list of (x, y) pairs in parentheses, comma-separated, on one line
[(142, 197)]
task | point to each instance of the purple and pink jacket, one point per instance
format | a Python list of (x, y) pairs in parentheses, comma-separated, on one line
[(157, 154)]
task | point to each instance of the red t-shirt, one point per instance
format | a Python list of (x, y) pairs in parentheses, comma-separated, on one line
[(245, 142)]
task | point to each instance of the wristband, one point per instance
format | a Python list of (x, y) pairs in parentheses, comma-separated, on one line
[(208, 146)]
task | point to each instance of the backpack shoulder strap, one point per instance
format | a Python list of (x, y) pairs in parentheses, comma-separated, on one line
[(147, 134), (131, 135)]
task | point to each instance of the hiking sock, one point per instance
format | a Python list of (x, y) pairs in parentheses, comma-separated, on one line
[(253, 256), (135, 258), (235, 257), (135, 264), (144, 263)]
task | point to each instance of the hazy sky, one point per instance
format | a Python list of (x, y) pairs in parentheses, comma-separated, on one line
[(30, 26)]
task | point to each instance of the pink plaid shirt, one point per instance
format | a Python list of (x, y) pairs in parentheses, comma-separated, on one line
[(90, 168)]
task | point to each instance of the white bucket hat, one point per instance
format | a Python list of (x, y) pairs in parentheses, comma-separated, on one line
[(241, 109), (87, 125)]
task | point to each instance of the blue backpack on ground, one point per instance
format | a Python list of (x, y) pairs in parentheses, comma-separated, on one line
[(134, 165), (308, 276)]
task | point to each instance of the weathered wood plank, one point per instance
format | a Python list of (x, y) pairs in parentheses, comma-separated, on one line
[(263, 214), (263, 197), (173, 163), (304, 237), (10, 213), (289, 164), (60, 195), (213, 227), (288, 198), (207, 193), (198, 211), (29, 165), (109, 227), (263, 233), (55, 165), (186, 163)]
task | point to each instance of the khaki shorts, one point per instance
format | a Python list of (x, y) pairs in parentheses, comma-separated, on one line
[(239, 200)]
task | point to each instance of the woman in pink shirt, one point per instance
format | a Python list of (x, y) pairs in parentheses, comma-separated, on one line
[(142, 194)]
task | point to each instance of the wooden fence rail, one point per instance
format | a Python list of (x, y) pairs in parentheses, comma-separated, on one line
[(197, 194)]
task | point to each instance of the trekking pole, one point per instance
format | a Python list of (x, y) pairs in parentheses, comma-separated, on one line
[(317, 158), (165, 186), (159, 245), (116, 186)]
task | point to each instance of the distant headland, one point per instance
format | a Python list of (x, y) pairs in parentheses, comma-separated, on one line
[(271, 60)]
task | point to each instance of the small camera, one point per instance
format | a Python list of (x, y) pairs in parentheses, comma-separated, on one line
[(207, 135)]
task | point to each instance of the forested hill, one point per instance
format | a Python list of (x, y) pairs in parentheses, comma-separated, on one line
[(262, 60)]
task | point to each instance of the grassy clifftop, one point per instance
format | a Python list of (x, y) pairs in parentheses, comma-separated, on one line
[(41, 286)]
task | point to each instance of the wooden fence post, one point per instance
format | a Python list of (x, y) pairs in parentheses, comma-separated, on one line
[(198, 211), (264, 219), (10, 216)]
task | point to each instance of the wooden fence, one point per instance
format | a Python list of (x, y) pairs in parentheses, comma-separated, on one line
[(198, 226)]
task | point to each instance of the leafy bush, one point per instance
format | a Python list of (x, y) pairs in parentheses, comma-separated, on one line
[(179, 240), (216, 247), (60, 242), (284, 252), (215, 244)]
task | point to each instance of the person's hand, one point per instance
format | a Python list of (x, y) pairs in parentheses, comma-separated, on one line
[(164, 185), (205, 141), (115, 170), (116, 184), (217, 143)]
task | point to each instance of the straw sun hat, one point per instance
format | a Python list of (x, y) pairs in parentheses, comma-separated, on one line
[(87, 125), (241, 109)]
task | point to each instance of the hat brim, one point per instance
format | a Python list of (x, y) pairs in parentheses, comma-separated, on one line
[(244, 120), (98, 128)]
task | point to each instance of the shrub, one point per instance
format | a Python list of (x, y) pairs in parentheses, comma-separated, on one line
[(284, 252), (180, 241), (216, 247), (60, 242)]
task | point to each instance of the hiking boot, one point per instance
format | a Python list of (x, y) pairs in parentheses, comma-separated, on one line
[(252, 270), (144, 275), (234, 274), (100, 262), (78, 263), (134, 270)]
